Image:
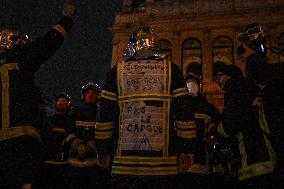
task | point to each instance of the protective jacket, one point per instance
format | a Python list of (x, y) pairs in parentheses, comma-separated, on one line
[(57, 149), (20, 142), (243, 117), (84, 129), (19, 94), (204, 114), (143, 114)]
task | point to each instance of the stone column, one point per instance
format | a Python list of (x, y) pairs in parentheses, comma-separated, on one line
[(176, 48)]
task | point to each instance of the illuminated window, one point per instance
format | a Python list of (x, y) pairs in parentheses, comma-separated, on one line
[(165, 47), (222, 53), (281, 46), (192, 56)]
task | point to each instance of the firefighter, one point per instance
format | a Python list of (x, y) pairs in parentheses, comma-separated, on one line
[(83, 172), (20, 143), (143, 122), (269, 79), (203, 173), (253, 50), (243, 118), (55, 165)]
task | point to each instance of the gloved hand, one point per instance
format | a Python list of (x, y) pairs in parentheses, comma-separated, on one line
[(69, 9), (91, 147), (103, 161), (210, 127), (185, 161), (78, 148)]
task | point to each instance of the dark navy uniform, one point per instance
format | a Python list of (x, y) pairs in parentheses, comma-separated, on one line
[(19, 138), (84, 117), (270, 77), (83, 171), (56, 156), (201, 174), (143, 121), (243, 118)]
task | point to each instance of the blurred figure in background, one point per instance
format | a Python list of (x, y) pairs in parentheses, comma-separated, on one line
[(202, 173), (243, 118), (53, 173), (83, 171)]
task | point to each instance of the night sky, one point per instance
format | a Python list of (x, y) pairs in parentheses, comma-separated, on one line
[(85, 55)]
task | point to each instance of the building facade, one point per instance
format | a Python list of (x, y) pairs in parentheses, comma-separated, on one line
[(199, 35)]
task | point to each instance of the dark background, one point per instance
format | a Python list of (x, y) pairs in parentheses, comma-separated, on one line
[(85, 55)]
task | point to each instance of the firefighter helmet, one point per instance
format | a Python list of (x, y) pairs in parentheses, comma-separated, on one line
[(192, 77), (9, 38), (142, 44), (62, 106), (254, 38), (145, 38), (63, 95), (90, 86)]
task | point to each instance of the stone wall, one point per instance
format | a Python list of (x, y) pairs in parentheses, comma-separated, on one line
[(177, 20)]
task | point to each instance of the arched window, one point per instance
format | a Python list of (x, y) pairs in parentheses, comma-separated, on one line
[(165, 47), (281, 46), (222, 53), (194, 67), (192, 56)]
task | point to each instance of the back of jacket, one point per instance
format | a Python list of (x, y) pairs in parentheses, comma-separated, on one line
[(243, 118), (143, 109)]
